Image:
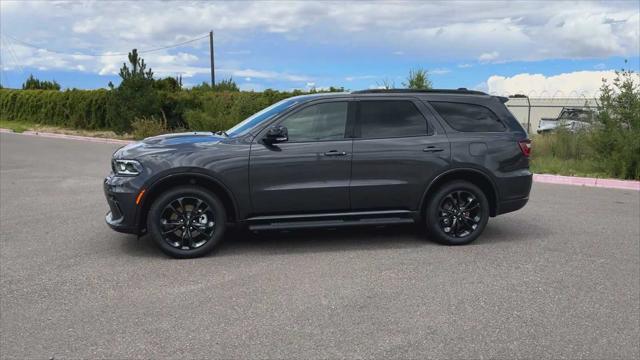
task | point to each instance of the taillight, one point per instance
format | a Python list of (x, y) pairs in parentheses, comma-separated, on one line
[(525, 147)]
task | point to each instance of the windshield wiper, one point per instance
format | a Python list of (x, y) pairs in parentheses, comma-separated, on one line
[(222, 132)]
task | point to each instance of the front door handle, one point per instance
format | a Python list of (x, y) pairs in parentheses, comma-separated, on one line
[(432, 149), (335, 153)]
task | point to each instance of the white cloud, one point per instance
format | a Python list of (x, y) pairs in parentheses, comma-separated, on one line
[(262, 74), (529, 31), (359, 77), (488, 57), (488, 32), (573, 84), (439, 71)]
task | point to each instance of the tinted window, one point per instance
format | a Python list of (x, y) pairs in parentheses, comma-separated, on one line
[(468, 117), (318, 122), (261, 116), (380, 119)]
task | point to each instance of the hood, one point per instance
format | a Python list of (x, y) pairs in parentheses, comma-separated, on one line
[(182, 138), (167, 143)]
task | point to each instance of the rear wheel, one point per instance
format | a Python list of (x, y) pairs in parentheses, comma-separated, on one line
[(187, 222), (457, 213)]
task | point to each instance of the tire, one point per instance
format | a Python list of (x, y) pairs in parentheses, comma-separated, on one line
[(196, 210), (451, 224)]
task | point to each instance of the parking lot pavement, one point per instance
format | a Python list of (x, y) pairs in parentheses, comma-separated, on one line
[(558, 279)]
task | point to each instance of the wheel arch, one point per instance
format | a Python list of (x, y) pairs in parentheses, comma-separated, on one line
[(474, 176), (157, 187)]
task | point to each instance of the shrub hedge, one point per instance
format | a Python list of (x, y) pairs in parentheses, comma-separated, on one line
[(80, 109), (96, 109)]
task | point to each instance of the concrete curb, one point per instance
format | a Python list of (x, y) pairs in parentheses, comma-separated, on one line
[(541, 178), (69, 137)]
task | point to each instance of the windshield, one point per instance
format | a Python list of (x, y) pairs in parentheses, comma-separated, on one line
[(262, 115)]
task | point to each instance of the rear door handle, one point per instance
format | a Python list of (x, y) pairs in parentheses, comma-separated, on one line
[(432, 149), (335, 153)]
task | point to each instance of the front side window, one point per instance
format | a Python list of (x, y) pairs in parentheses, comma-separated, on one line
[(319, 122), (468, 117), (262, 116), (390, 118)]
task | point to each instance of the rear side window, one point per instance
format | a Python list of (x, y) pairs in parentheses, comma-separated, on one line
[(468, 117), (394, 118)]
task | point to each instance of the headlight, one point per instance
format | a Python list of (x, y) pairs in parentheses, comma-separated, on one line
[(126, 167)]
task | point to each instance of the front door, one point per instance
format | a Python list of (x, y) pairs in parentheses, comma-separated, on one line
[(396, 153), (309, 172)]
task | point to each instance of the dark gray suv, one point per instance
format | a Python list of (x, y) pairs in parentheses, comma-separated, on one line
[(448, 158)]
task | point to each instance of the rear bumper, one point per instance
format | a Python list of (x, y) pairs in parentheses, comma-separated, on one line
[(511, 205), (514, 192)]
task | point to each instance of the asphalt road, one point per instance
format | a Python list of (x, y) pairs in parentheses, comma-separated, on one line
[(559, 279)]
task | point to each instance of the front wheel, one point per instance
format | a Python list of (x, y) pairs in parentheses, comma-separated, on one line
[(187, 222), (457, 213)]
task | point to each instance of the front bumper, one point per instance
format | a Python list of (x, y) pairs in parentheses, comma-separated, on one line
[(121, 197)]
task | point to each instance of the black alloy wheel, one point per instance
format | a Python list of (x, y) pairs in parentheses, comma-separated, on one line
[(457, 213), (187, 222)]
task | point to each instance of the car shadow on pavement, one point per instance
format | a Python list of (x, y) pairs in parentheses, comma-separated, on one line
[(323, 240), (241, 241)]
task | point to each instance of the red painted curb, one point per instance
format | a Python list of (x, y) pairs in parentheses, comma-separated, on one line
[(585, 181)]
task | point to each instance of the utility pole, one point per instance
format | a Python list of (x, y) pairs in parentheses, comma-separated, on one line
[(213, 75)]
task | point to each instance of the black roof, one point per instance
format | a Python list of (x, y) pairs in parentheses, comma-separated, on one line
[(426, 91)]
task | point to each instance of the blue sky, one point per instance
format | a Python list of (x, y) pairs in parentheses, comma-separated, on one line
[(501, 47)]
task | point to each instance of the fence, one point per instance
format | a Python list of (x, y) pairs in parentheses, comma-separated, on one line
[(529, 111)]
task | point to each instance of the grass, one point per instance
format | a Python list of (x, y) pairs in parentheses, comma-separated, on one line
[(569, 167), (16, 126), (22, 126), (565, 153)]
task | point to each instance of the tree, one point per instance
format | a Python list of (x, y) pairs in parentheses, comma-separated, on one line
[(137, 70), (33, 83), (169, 84), (418, 79), (615, 141), (135, 97), (224, 85)]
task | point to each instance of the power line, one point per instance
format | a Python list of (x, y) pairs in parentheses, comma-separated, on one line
[(105, 55), (13, 55)]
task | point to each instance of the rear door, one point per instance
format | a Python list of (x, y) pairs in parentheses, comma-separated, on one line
[(397, 150), (310, 172)]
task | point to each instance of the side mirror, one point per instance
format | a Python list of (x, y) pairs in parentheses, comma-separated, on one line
[(276, 134)]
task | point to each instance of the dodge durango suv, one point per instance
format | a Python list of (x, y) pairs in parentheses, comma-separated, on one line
[(447, 158)]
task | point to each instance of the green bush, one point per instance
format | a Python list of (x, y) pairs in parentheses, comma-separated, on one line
[(80, 109), (213, 111), (146, 127), (616, 141), (113, 110), (610, 148)]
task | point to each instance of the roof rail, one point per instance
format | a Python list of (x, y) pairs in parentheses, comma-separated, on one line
[(428, 91)]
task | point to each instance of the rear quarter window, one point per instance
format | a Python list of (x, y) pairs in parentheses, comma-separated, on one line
[(468, 117)]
